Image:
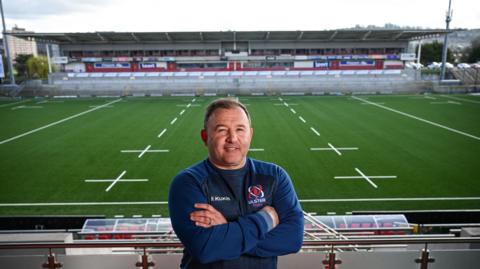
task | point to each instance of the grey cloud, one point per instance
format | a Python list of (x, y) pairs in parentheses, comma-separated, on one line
[(35, 9)]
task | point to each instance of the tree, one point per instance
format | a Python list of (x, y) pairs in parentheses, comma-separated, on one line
[(472, 53), (37, 67), (432, 52), (21, 64)]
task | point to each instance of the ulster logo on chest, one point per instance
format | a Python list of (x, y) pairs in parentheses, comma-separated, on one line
[(256, 196)]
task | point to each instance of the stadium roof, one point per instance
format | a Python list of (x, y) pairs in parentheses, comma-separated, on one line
[(168, 37)]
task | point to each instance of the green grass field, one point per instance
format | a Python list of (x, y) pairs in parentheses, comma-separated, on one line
[(430, 144)]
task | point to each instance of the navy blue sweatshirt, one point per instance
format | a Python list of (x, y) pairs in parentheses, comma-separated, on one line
[(246, 241)]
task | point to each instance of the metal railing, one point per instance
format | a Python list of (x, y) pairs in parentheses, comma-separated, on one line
[(148, 247)]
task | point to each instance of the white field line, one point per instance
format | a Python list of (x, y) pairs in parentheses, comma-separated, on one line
[(302, 119), (332, 147), (339, 148), (193, 100), (293, 111), (423, 97), (446, 103), (189, 105), (14, 103), (380, 103), (461, 99), (25, 107), (420, 119), (116, 180), (173, 121), (140, 150), (121, 180), (412, 199), (372, 177), (366, 178), (57, 122), (145, 150), (256, 150), (164, 130), (102, 106), (181, 112), (285, 104), (315, 131), (280, 98), (48, 101)]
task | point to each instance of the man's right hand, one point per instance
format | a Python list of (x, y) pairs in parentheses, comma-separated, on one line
[(273, 214)]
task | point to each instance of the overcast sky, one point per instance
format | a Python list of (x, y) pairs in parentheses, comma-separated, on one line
[(240, 15)]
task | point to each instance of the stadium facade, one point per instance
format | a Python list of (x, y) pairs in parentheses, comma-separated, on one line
[(233, 61)]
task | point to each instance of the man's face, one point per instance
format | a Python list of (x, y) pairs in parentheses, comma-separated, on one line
[(228, 137)]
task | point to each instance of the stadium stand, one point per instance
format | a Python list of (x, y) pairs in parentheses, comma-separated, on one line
[(315, 62)]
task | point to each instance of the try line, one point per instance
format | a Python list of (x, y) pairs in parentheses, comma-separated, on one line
[(418, 118), (57, 122)]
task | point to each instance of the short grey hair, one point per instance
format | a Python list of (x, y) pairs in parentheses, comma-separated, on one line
[(225, 103)]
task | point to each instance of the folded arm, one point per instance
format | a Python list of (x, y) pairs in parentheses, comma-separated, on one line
[(287, 237), (220, 242)]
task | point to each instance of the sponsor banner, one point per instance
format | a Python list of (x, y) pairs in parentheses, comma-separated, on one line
[(148, 65), (149, 59), (391, 57), (166, 59), (321, 64), (408, 57), (321, 57), (393, 63), (59, 60), (112, 65), (357, 63), (361, 56), (122, 59), (91, 59), (376, 56)]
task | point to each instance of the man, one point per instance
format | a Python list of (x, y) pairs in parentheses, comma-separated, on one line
[(231, 211)]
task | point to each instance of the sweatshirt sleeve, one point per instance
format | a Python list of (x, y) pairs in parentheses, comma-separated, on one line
[(287, 237), (220, 242)]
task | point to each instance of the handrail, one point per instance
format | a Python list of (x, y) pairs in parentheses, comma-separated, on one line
[(150, 244)]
